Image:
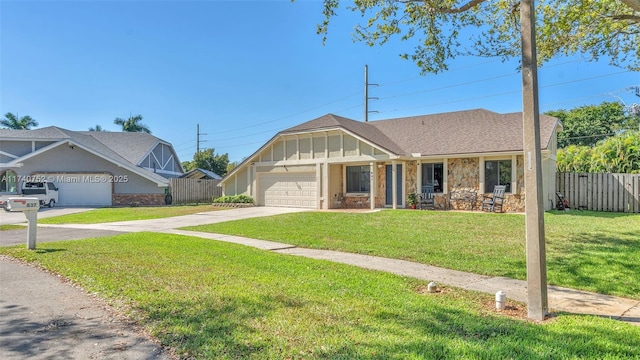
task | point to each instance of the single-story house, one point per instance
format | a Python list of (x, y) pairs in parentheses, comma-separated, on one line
[(334, 162), (201, 174), (91, 168)]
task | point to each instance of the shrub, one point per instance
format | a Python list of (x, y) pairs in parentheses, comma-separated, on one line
[(616, 154), (234, 199)]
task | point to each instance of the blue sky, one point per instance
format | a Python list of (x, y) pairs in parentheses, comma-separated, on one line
[(244, 70)]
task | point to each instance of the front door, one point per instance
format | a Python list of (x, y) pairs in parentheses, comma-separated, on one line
[(389, 185)]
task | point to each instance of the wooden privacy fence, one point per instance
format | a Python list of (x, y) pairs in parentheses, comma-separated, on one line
[(194, 191), (601, 192)]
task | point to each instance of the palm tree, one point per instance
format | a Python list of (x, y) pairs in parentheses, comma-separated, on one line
[(97, 128), (14, 122), (132, 124)]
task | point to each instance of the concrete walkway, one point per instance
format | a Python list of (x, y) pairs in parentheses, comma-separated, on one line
[(560, 299), (43, 317)]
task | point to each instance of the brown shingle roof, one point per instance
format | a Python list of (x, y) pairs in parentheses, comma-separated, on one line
[(460, 132)]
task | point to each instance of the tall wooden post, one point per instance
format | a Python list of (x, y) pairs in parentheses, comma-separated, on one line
[(537, 305)]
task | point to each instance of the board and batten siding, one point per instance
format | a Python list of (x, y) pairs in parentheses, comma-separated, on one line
[(291, 153), (601, 192)]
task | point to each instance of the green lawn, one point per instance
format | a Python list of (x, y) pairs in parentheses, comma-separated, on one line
[(593, 251), (213, 300), (104, 215), (12, 227)]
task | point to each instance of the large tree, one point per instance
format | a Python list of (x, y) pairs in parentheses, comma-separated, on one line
[(586, 125), (96, 128), (15, 122), (207, 159), (132, 124), (594, 28)]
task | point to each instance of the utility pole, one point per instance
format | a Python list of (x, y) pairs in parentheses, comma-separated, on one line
[(366, 94), (537, 302), (198, 141)]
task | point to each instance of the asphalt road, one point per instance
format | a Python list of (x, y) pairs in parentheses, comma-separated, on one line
[(44, 317)]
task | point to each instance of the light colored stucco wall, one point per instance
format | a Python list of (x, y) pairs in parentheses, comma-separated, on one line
[(64, 159), (335, 184)]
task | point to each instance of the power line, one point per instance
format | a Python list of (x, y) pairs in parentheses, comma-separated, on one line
[(469, 82), (288, 116), (507, 93)]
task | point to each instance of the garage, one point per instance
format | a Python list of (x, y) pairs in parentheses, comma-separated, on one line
[(82, 189), (290, 190)]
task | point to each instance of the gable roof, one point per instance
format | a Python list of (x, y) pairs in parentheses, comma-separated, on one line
[(201, 174), (133, 146), (123, 148), (477, 131), (461, 132), (362, 129)]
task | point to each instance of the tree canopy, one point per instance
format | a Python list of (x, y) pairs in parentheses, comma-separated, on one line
[(15, 122), (207, 159), (132, 124), (586, 125), (439, 29), (96, 128)]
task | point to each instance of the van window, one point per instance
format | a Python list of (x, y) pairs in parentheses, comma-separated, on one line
[(51, 186)]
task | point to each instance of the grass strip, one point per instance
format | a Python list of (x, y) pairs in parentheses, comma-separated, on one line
[(8, 227), (104, 215), (208, 299), (593, 251)]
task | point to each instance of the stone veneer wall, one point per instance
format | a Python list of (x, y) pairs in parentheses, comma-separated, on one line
[(356, 202), (137, 199), (411, 180), (463, 174)]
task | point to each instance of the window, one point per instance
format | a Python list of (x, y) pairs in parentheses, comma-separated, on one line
[(8, 182), (432, 174), (358, 179), (497, 172)]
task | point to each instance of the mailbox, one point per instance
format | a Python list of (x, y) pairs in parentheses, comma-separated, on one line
[(29, 206), (22, 204)]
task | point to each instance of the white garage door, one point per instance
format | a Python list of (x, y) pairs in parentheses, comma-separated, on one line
[(290, 190), (82, 189)]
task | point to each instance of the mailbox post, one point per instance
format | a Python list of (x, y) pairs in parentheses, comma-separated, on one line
[(29, 206)]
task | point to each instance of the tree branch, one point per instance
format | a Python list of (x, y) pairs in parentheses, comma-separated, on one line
[(453, 10), (634, 18)]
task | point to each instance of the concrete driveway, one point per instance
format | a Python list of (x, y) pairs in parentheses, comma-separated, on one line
[(18, 217), (203, 218), (49, 232)]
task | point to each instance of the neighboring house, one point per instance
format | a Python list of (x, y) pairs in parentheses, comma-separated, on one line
[(95, 168), (201, 174), (335, 162)]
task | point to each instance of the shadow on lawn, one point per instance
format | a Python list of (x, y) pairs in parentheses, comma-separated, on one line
[(243, 328), (606, 263)]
